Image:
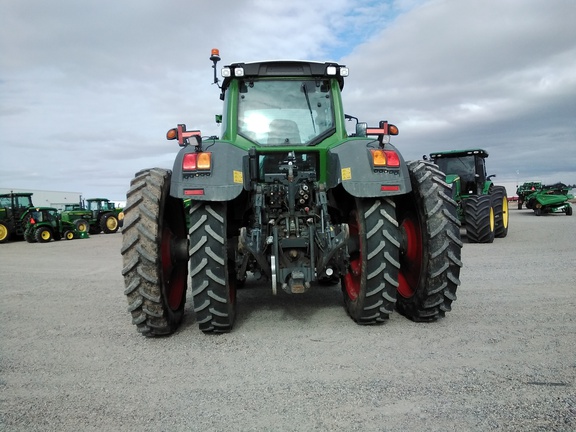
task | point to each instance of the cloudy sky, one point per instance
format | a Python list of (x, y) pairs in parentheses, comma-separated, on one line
[(89, 88)]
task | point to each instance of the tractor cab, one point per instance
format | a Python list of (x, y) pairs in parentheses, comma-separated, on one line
[(44, 214), (95, 205), (469, 166)]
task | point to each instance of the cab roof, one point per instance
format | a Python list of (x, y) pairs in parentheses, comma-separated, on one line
[(459, 153), (286, 68)]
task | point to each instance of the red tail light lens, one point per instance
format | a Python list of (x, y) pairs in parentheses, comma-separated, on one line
[(385, 158), (201, 161), (189, 162), (392, 158)]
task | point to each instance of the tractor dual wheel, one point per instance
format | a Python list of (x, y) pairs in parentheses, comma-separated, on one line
[(430, 245), (212, 269), (500, 206), (155, 254), (369, 287), (479, 219)]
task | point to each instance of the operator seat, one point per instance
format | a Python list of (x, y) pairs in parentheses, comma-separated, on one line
[(283, 132)]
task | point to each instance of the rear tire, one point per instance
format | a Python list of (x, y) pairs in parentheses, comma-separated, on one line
[(4, 233), (29, 236), (430, 258), (109, 224), (479, 216), (371, 283), (501, 215), (211, 269), (569, 211), (155, 254)]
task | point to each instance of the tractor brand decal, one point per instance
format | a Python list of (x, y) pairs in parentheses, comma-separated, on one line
[(237, 176), (346, 173)]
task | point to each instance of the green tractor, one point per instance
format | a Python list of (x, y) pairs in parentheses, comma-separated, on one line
[(550, 199), (525, 189), (106, 216), (482, 206), (12, 207), (45, 223), (78, 215), (287, 196), (95, 215)]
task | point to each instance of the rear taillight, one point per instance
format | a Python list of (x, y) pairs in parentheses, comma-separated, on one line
[(385, 158), (200, 162)]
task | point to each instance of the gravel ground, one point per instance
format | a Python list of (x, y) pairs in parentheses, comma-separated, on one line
[(504, 359)]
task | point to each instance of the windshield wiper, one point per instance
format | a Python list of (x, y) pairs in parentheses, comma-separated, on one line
[(305, 90)]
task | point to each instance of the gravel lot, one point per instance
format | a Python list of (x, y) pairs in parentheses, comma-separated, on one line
[(504, 358)]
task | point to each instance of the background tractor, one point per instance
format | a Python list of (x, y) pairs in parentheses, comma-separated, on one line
[(78, 215), (286, 196), (12, 207), (94, 215), (43, 224), (482, 206)]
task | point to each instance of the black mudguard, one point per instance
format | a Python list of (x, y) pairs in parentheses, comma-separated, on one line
[(225, 181), (350, 164)]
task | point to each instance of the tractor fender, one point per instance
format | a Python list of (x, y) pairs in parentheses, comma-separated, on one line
[(350, 164), (225, 180)]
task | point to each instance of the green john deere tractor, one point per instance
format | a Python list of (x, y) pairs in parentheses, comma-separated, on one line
[(286, 195), (45, 223), (95, 215), (78, 215), (12, 207), (106, 216), (482, 206)]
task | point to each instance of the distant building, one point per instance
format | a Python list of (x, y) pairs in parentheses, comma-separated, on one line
[(42, 198)]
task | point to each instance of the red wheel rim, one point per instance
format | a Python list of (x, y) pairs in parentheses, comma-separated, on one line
[(352, 279), (411, 260), (173, 275)]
